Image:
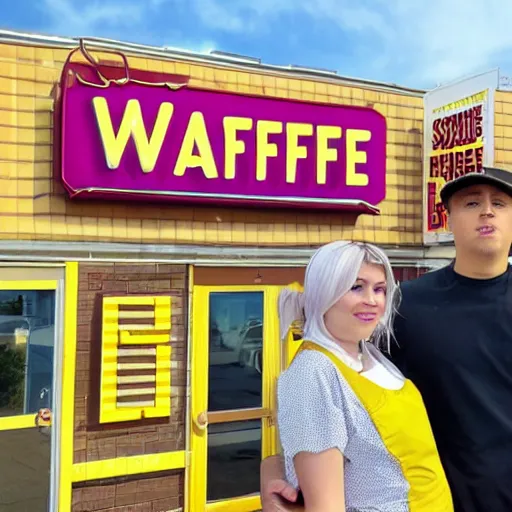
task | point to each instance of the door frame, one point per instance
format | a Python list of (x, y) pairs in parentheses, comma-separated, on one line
[(199, 363), (28, 420)]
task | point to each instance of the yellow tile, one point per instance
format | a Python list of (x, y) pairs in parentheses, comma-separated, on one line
[(183, 230), (42, 204), (290, 234), (149, 229), (182, 69), (269, 81), (8, 152), (25, 205), (26, 53), (42, 225), (105, 229), (8, 86), (7, 51), (8, 134), (26, 103), (211, 232), (26, 136), (43, 119), (74, 226), (279, 233), (26, 71), (381, 108), (168, 230), (224, 232), (256, 80), (313, 234), (45, 55), (41, 169), (265, 235), (8, 205), (138, 63), (198, 231), (26, 225), (25, 119), (119, 228), (307, 96), (8, 102), (155, 65), (43, 153), (243, 78), (58, 226), (9, 69), (507, 108), (238, 232), (58, 204), (40, 89), (25, 188), (295, 95), (43, 104), (302, 234), (90, 227), (43, 136), (309, 86), (8, 186), (9, 224), (251, 233)]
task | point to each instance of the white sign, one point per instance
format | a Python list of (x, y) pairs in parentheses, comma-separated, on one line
[(458, 138)]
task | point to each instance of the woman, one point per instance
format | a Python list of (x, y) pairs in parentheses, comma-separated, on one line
[(354, 431)]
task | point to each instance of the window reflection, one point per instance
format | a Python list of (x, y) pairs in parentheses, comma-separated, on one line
[(234, 456), (27, 328), (236, 342)]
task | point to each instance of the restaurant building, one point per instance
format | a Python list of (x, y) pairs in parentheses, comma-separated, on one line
[(153, 204)]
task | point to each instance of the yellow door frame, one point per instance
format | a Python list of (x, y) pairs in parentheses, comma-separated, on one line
[(69, 287), (197, 478), (24, 420)]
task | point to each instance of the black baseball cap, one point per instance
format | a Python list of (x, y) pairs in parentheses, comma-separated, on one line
[(499, 178)]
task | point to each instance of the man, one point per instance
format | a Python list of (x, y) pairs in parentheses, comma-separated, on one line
[(454, 341)]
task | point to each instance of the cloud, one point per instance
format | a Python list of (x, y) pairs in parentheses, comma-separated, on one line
[(417, 42), (423, 40), (77, 18)]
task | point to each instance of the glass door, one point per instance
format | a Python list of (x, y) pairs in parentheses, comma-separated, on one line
[(235, 361), (27, 346)]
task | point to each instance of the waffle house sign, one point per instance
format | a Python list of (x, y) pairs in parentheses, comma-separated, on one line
[(149, 139)]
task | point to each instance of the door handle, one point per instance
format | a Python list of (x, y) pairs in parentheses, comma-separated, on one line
[(201, 422)]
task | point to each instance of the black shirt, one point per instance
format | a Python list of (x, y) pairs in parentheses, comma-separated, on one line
[(455, 343)]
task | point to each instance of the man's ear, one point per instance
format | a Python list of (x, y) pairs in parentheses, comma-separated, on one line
[(448, 220)]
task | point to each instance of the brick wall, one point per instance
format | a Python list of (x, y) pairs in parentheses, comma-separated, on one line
[(34, 205), (151, 493), (94, 441)]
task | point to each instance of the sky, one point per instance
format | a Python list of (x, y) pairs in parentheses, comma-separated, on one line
[(415, 43)]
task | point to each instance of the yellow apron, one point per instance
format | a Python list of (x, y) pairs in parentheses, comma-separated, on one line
[(401, 420)]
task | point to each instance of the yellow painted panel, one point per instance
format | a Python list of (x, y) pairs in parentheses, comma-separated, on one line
[(18, 422), (245, 504), (124, 466), (68, 387)]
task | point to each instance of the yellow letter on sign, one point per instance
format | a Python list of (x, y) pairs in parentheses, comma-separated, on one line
[(196, 135), (354, 156), (132, 124), (232, 145), (264, 148), (293, 150), (324, 153)]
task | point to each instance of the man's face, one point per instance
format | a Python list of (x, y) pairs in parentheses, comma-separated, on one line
[(480, 218)]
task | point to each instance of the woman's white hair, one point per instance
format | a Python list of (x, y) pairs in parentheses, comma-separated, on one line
[(330, 274)]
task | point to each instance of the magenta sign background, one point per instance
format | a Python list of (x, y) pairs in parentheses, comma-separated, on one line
[(85, 172)]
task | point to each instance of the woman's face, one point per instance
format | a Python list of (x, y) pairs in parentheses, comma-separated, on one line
[(355, 316)]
